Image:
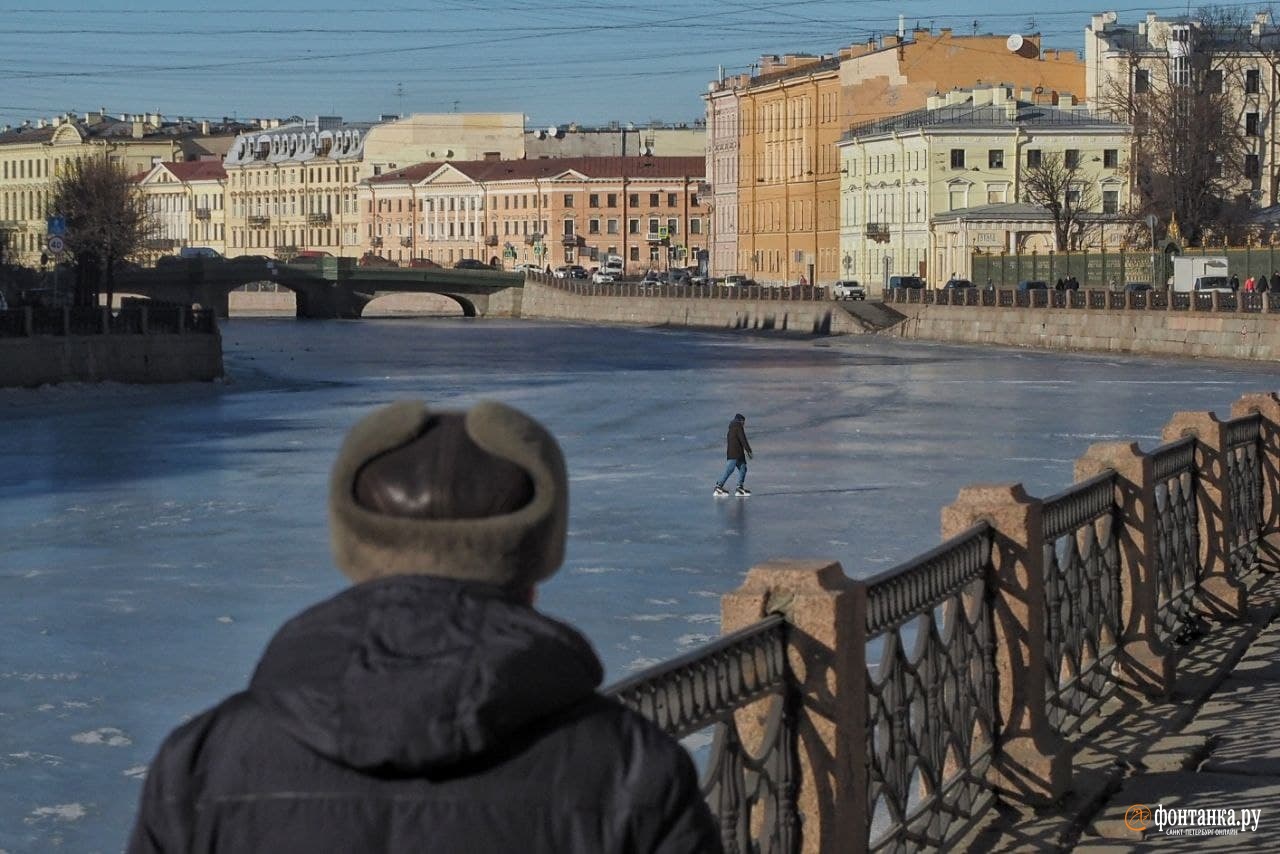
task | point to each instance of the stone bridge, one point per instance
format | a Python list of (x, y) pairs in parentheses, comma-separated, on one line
[(332, 288)]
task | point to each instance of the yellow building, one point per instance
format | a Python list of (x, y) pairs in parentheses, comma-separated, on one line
[(791, 112), (33, 156), (421, 137), (185, 203), (911, 183), (292, 189)]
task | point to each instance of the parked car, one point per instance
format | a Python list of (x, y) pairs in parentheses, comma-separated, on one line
[(906, 282), (954, 284), (736, 279), (1137, 287), (1033, 285), (577, 271), (527, 268), (423, 264), (372, 259), (471, 264), (600, 277), (848, 289)]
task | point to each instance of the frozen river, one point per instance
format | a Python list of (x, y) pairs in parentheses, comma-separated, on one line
[(152, 539)]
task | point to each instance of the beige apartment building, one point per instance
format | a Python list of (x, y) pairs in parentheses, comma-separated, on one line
[(185, 203), (422, 137), (616, 140), (790, 112), (33, 156), (292, 189), (546, 212), (924, 190), (1156, 54)]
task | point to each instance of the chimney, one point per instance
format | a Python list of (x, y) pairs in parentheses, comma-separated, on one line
[(139, 129), (981, 96), (1011, 110), (935, 101), (204, 128), (902, 26)]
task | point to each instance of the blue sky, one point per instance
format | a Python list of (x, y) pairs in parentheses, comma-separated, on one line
[(555, 60)]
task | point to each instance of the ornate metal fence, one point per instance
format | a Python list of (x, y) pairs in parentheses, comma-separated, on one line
[(1177, 520), (931, 699), (751, 791), (1244, 488), (1082, 599)]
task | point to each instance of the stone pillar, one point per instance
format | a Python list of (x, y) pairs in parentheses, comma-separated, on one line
[(1268, 406), (1032, 762), (28, 321), (1219, 593), (825, 655), (1215, 300), (1143, 661)]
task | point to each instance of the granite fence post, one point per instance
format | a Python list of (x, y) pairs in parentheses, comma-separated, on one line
[(1268, 406), (1032, 762)]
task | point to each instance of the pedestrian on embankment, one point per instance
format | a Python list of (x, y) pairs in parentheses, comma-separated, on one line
[(430, 707), (737, 452)]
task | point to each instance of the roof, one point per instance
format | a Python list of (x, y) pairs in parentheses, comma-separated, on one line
[(107, 127), (197, 170), (523, 170), (828, 64), (1003, 211), (968, 116)]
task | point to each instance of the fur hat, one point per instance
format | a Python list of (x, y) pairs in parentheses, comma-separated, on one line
[(513, 550)]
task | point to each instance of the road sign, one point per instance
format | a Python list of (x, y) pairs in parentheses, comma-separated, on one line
[(663, 232), (56, 226), (539, 249), (56, 243)]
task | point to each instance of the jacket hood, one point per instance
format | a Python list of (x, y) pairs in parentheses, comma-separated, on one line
[(412, 673)]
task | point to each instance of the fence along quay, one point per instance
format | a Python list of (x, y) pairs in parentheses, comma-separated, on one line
[(893, 713)]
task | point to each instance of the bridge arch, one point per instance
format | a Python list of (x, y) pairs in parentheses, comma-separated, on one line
[(410, 303)]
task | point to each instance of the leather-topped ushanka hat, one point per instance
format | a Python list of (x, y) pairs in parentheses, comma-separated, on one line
[(513, 550)]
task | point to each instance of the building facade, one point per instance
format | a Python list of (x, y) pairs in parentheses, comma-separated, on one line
[(437, 137), (547, 212), (795, 107), (905, 175), (32, 157), (1157, 54), (186, 205), (723, 133), (293, 189), (616, 140)]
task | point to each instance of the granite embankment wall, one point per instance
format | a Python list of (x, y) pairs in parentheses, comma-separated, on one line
[(1223, 335), (611, 304)]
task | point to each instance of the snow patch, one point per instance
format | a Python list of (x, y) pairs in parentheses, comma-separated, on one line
[(662, 601), (137, 772), (58, 812), (642, 664), (108, 735), (225, 619), (693, 640), (697, 740), (651, 618), (593, 570), (702, 618)]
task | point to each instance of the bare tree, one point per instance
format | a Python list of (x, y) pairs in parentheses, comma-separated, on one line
[(107, 221), (1061, 188), (1190, 143)]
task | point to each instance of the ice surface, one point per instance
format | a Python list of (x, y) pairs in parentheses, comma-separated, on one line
[(153, 538)]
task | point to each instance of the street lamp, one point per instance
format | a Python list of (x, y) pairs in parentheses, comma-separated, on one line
[(1152, 220)]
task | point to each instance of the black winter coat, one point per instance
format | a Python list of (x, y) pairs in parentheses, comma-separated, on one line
[(737, 446), (426, 715)]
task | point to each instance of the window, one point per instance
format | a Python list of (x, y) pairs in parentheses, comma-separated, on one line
[(957, 198), (1251, 82), (1110, 201), (1141, 81), (995, 158), (673, 226), (611, 226), (633, 199), (1034, 158), (568, 200), (593, 227), (957, 158), (635, 253), (633, 226), (1213, 81), (653, 200), (1111, 158), (593, 200), (611, 200), (653, 225), (672, 200), (1073, 199), (695, 226), (1251, 124), (1251, 166), (568, 228), (1071, 158)]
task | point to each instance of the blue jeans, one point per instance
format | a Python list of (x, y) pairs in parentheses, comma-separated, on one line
[(740, 465)]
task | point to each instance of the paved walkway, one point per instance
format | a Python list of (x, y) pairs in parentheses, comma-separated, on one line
[(1213, 745)]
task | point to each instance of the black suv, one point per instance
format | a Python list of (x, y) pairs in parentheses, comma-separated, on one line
[(471, 264)]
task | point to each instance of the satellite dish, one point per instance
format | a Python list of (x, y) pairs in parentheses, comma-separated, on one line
[(1014, 43)]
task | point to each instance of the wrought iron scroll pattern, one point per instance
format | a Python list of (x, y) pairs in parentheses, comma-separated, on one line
[(1177, 521), (931, 715), (1082, 599), (753, 794), (1244, 483)]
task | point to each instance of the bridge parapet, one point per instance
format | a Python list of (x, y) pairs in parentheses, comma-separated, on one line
[(975, 672)]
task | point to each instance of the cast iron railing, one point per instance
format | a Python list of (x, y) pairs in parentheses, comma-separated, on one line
[(1082, 599), (160, 319), (1150, 300), (931, 713), (1243, 453), (1177, 519), (750, 783)]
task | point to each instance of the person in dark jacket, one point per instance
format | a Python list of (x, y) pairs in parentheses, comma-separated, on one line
[(737, 452), (429, 707)]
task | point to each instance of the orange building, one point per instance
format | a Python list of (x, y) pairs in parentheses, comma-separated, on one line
[(547, 212), (792, 112)]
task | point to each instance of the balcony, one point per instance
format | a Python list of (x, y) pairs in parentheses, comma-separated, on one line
[(570, 240), (259, 221), (878, 231), (202, 213), (655, 237), (375, 241), (406, 241), (319, 219), (161, 244), (530, 239)]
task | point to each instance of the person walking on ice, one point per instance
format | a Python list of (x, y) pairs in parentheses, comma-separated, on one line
[(737, 453)]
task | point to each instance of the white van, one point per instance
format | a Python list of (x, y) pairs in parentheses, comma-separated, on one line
[(1201, 273)]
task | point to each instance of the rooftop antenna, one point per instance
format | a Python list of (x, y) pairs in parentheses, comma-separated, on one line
[(455, 105), (400, 97)]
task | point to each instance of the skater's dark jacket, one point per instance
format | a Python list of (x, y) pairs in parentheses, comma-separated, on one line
[(738, 447), (422, 714)]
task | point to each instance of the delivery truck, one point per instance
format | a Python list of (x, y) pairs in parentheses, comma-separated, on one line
[(1201, 273)]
